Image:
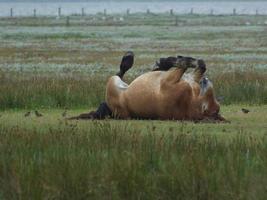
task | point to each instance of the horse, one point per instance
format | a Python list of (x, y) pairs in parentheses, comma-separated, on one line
[(166, 93)]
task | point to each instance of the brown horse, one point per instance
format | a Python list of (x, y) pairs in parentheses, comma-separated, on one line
[(165, 95)]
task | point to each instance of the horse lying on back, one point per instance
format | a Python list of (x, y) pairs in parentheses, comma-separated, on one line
[(165, 95)]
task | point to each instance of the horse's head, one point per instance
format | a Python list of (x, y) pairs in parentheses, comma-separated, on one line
[(210, 107), (165, 64)]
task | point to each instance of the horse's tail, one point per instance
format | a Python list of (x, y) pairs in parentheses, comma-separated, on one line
[(89, 115)]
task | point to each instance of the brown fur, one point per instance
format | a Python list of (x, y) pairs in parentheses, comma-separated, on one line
[(162, 95)]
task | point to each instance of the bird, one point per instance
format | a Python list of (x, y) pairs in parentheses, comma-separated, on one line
[(27, 114), (244, 110), (64, 114), (37, 113)]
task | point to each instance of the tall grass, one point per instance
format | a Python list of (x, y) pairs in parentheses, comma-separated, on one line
[(58, 90), (248, 87), (50, 91), (111, 161)]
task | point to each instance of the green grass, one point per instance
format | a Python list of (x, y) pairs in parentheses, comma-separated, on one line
[(50, 91), (61, 90), (49, 157)]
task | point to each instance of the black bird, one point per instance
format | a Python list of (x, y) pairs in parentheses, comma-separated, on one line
[(27, 114), (37, 113), (244, 110)]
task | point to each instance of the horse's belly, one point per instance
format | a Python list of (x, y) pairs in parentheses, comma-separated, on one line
[(143, 97), (142, 106)]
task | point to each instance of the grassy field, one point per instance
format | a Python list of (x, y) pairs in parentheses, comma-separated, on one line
[(51, 158), (51, 66)]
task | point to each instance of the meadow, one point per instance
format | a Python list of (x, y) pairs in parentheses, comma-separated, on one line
[(60, 65)]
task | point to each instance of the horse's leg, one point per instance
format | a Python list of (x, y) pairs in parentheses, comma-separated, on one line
[(126, 63), (103, 110), (174, 75), (164, 64), (183, 63), (199, 71)]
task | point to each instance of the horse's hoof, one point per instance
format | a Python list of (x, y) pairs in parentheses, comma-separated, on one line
[(165, 64), (126, 63), (202, 66)]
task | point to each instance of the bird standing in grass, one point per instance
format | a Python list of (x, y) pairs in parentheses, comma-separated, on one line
[(38, 114), (244, 110), (27, 114)]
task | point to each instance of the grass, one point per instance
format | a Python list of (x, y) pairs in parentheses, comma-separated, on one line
[(50, 67), (68, 90), (52, 158), (50, 91), (136, 19)]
